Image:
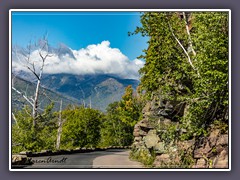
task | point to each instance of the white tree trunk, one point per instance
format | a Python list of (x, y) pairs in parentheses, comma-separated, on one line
[(30, 65), (184, 50), (59, 132), (15, 119), (35, 103), (188, 32)]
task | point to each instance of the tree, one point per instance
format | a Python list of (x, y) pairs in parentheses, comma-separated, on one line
[(187, 61), (60, 124), (129, 107), (37, 72), (82, 127), (43, 136), (210, 39), (117, 128), (114, 131)]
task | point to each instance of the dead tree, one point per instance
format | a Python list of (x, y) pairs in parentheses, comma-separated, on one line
[(30, 64), (60, 124)]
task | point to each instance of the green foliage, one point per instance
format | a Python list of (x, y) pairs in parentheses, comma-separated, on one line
[(117, 128), (114, 131), (187, 160), (168, 133), (223, 126), (129, 107), (164, 57), (144, 156), (210, 38), (82, 127), (27, 138), (203, 86)]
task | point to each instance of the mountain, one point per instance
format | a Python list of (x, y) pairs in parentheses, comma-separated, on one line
[(28, 89), (64, 50), (95, 90)]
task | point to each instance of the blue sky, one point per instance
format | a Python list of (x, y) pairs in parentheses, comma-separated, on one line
[(80, 29)]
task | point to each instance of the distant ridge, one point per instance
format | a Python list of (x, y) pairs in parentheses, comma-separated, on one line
[(96, 91)]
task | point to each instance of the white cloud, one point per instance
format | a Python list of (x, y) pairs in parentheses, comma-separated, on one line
[(93, 59)]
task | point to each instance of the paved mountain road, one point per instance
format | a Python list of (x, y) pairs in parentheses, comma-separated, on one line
[(112, 158)]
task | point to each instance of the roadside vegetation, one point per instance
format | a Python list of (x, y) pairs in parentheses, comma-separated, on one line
[(77, 126)]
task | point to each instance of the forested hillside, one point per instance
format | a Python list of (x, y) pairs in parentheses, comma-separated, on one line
[(185, 81), (47, 96)]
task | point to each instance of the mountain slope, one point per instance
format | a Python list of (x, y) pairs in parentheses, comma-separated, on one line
[(77, 74), (46, 95), (95, 90)]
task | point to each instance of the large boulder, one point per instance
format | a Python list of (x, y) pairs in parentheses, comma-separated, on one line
[(151, 139), (159, 148), (137, 139)]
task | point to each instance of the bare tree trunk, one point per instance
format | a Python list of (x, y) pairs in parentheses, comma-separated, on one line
[(188, 32), (25, 97), (15, 119), (83, 103), (184, 50), (35, 104), (90, 103), (59, 132), (30, 65)]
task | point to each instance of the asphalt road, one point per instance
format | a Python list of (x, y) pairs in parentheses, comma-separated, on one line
[(115, 158)]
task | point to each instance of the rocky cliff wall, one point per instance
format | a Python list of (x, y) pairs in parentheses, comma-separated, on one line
[(152, 147)]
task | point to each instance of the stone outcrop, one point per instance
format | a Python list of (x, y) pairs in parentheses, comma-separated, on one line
[(158, 115), (151, 139), (212, 151)]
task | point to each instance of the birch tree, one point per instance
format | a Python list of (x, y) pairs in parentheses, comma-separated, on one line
[(187, 61)]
